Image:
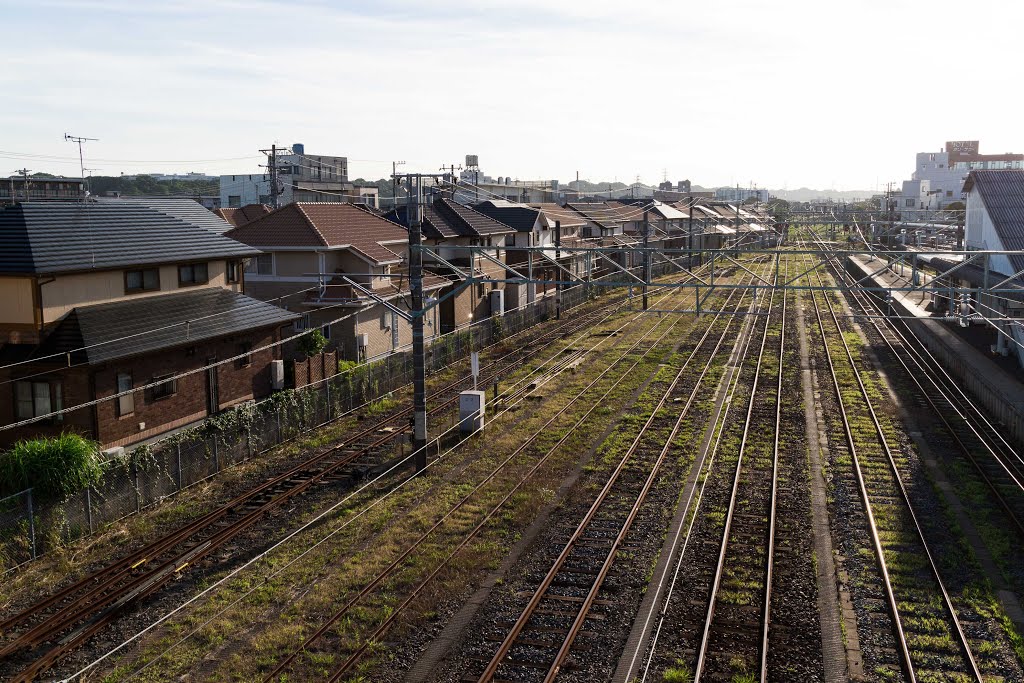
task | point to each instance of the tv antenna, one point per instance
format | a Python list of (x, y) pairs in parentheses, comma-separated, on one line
[(81, 162)]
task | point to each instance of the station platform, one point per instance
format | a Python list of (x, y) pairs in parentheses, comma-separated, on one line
[(997, 382)]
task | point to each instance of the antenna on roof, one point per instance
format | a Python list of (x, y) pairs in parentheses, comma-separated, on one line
[(81, 163)]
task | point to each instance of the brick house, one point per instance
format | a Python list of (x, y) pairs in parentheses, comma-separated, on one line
[(101, 298), (339, 266)]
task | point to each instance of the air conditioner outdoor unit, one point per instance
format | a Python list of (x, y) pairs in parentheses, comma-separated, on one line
[(277, 374), (362, 340)]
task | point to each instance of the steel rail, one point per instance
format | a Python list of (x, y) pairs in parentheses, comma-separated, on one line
[(770, 570), (383, 574), (933, 372), (702, 651), (883, 441), (106, 607), (539, 593)]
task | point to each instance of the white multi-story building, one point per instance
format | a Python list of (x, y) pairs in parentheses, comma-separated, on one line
[(301, 177), (938, 177)]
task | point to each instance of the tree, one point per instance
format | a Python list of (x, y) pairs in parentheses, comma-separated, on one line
[(778, 208)]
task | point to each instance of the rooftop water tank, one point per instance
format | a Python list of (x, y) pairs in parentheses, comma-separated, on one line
[(298, 148)]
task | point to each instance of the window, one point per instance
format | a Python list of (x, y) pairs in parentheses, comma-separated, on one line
[(168, 387), (234, 201), (233, 272), (192, 274), (481, 290), (126, 403), (326, 329), (909, 202), (246, 360), (145, 280), (949, 193), (303, 322), (261, 265), (264, 199), (33, 399)]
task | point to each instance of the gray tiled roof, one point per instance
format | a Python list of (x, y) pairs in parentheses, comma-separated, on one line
[(152, 323), (60, 237), (518, 216), (187, 210), (1003, 194)]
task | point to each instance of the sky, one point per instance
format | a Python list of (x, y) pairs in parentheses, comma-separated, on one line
[(782, 95)]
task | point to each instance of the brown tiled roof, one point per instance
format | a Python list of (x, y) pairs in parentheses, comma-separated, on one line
[(312, 224), (242, 216)]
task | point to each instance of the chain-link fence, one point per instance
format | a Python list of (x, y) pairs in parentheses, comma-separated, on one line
[(150, 473)]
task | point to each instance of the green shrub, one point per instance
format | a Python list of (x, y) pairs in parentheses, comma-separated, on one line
[(346, 365), (312, 343), (53, 467)]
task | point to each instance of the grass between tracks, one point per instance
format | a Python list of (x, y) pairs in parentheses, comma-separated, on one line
[(272, 620), (929, 632)]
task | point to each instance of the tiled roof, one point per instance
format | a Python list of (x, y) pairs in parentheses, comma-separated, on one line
[(61, 237), (518, 216), (187, 210), (147, 324), (336, 225), (244, 215), (598, 213), (469, 221), (445, 218), (1003, 195)]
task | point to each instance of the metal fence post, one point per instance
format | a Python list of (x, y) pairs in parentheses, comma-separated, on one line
[(31, 523), (216, 460), (88, 506), (135, 482), (327, 391), (177, 449), (280, 435)]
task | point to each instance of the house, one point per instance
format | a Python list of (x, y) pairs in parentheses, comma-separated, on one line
[(536, 226), (37, 188), (995, 217), (605, 224), (448, 228), (102, 298), (340, 267)]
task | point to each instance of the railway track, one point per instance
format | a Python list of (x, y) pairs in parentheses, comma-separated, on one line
[(540, 640), (72, 615), (739, 607), (964, 427), (530, 450), (930, 639)]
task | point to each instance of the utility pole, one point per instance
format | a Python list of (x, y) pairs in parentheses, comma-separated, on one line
[(24, 174), (690, 222), (275, 192), (419, 379), (647, 256), (81, 161), (394, 183), (558, 275)]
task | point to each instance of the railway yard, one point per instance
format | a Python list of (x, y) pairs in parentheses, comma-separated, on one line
[(787, 487)]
